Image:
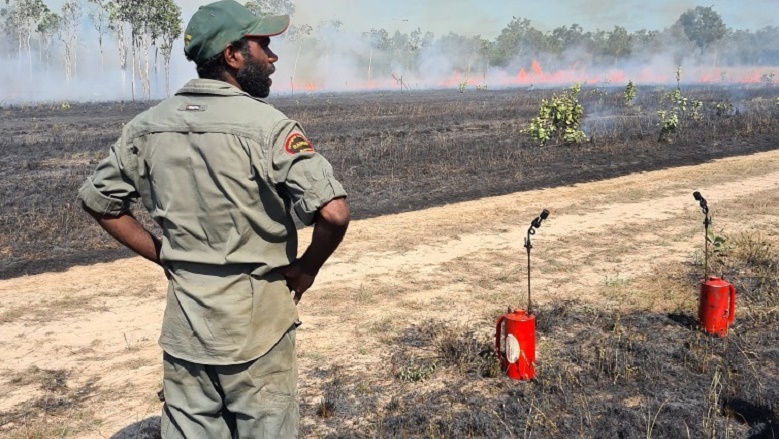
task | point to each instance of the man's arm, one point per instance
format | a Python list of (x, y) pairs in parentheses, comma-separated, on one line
[(128, 231), (330, 227)]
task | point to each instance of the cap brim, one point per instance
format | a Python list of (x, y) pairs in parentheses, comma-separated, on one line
[(269, 26)]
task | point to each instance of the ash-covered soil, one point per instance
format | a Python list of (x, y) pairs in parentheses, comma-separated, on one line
[(394, 152)]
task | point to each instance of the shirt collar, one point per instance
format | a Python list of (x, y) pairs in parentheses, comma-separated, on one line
[(201, 86)]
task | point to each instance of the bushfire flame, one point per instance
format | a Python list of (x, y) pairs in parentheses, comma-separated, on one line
[(534, 75)]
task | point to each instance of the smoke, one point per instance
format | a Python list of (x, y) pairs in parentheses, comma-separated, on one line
[(343, 59)]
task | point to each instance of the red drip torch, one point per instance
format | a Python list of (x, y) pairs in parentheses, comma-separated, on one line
[(515, 334), (717, 305)]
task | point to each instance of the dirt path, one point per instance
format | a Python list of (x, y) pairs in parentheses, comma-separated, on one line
[(97, 326)]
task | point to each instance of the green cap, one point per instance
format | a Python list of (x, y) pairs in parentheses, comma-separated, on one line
[(216, 25)]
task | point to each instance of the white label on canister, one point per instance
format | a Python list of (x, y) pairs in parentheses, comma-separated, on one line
[(512, 348)]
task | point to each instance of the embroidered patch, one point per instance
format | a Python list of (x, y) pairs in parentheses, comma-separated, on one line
[(192, 107), (297, 143)]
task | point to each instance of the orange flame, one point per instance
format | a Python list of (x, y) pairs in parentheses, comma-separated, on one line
[(535, 75)]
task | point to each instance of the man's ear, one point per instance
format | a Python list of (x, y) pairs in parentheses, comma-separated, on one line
[(233, 57)]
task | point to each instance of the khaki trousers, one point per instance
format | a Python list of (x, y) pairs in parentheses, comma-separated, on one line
[(256, 400)]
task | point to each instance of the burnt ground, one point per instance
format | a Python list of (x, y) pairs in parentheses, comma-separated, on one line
[(394, 152), (636, 375), (601, 373)]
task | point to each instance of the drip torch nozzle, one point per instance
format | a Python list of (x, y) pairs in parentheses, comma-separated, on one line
[(537, 222), (698, 197)]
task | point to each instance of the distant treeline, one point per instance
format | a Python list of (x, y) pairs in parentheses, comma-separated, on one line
[(145, 32)]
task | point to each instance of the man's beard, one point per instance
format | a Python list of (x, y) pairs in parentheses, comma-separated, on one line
[(254, 78)]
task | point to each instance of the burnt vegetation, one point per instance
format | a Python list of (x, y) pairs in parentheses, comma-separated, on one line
[(394, 152), (609, 373), (601, 373)]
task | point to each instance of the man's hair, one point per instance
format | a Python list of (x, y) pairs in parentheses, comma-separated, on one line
[(215, 67)]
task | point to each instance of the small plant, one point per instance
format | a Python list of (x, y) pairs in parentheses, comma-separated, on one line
[(326, 407), (726, 109), (462, 86), (678, 101), (630, 93), (679, 106), (416, 370), (678, 77), (768, 79), (695, 109), (65, 106), (558, 119), (669, 123), (481, 87), (597, 93)]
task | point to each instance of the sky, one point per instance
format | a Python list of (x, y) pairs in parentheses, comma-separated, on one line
[(488, 17), (340, 69)]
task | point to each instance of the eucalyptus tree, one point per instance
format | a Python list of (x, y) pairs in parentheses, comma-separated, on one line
[(565, 38), (21, 19), (47, 27), (119, 26), (68, 32), (703, 26), (168, 17), (151, 23), (619, 43), (136, 14), (271, 7), (507, 43), (99, 15)]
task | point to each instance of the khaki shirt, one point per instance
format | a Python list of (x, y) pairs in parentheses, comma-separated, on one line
[(219, 171)]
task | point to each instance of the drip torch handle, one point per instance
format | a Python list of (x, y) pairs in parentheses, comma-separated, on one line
[(732, 310), (497, 334), (536, 223), (704, 205), (706, 222)]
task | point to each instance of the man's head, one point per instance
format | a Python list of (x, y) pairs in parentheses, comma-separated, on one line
[(229, 43)]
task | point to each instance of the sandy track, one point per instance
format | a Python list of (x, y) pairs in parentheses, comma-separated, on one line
[(462, 262)]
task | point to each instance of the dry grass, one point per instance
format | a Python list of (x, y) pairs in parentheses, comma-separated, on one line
[(394, 153), (60, 410), (638, 369)]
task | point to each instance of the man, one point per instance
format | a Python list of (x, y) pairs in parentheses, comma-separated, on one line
[(220, 171)]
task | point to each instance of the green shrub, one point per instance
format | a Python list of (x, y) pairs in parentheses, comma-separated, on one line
[(630, 93), (559, 119)]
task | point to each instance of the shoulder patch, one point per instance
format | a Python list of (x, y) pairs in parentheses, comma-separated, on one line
[(297, 143)]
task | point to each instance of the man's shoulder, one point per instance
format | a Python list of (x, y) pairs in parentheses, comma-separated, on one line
[(211, 104)]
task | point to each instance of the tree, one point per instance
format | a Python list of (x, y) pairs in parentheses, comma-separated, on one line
[(378, 39), (169, 24), (508, 42), (99, 14), (703, 26), (21, 19), (152, 23), (68, 34), (46, 28), (618, 43), (271, 7), (140, 16), (564, 38), (116, 24)]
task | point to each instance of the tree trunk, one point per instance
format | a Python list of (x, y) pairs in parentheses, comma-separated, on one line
[(122, 56), (134, 44), (102, 59), (166, 60)]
